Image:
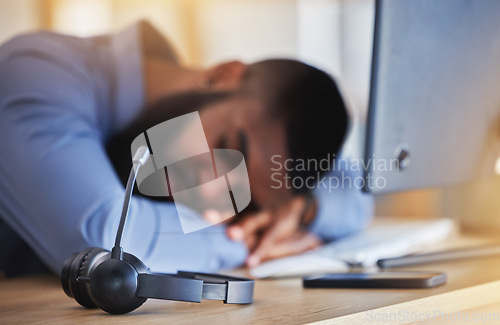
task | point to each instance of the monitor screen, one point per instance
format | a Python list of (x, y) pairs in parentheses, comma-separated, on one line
[(434, 109)]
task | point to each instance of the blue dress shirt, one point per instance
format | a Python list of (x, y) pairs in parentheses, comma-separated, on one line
[(61, 98)]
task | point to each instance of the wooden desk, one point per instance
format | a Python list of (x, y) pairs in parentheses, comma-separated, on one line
[(40, 299)]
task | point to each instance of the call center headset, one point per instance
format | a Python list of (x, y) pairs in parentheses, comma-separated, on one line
[(118, 282)]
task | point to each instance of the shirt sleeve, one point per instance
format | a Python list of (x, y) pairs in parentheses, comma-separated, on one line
[(342, 208), (58, 189)]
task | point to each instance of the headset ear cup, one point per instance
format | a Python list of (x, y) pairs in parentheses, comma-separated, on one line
[(114, 284), (65, 274), (80, 265)]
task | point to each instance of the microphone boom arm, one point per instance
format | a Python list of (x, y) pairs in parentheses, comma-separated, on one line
[(141, 156)]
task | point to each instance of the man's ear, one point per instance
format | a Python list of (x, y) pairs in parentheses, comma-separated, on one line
[(225, 76)]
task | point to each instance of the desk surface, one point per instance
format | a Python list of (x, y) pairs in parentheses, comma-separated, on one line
[(40, 299)]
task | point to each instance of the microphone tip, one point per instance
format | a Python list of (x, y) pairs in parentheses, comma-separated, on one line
[(141, 156)]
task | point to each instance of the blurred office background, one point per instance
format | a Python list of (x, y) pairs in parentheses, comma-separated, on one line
[(334, 35)]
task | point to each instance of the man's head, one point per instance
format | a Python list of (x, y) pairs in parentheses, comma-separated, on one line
[(271, 111)]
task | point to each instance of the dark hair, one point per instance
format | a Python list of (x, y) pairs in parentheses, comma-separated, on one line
[(309, 104)]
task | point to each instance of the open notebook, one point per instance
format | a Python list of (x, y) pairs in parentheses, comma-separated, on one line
[(380, 241)]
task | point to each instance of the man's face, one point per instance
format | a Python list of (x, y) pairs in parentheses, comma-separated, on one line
[(242, 124)]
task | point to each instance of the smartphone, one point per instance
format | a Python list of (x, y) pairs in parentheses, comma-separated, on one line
[(399, 279)]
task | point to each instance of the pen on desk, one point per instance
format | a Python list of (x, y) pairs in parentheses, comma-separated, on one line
[(449, 255)]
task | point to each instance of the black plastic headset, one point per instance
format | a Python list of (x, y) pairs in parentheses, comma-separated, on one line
[(119, 282)]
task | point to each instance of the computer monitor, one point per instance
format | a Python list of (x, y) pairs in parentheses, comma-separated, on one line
[(434, 108)]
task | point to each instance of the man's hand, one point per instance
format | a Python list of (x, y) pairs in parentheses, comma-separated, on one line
[(276, 233)]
